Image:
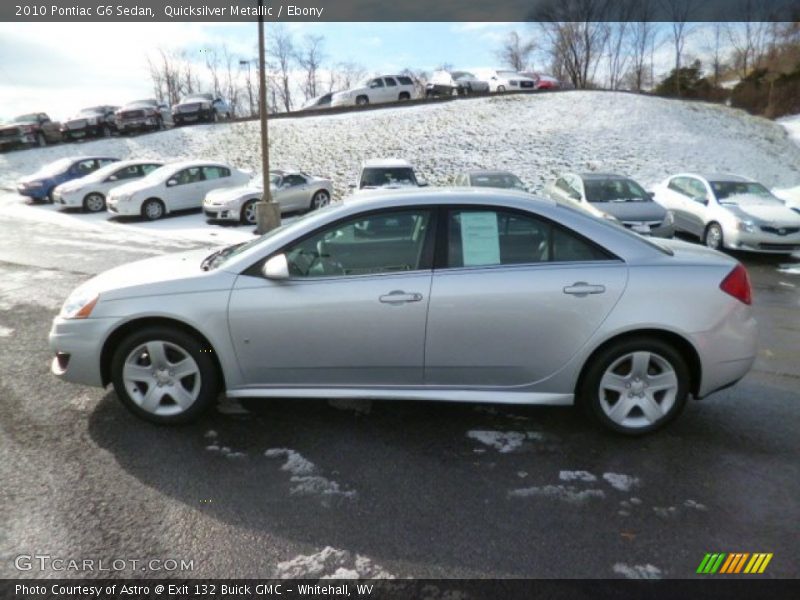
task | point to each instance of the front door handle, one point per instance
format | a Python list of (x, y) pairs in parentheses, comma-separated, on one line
[(400, 297), (582, 289)]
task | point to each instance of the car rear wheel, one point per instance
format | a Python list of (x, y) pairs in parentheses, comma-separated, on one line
[(501, 88), (362, 100), (164, 375), (94, 202), (153, 209), (635, 386), (713, 236), (319, 199), (404, 96), (106, 131), (41, 140), (248, 214)]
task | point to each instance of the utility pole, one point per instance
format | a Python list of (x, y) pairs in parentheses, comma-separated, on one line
[(268, 214)]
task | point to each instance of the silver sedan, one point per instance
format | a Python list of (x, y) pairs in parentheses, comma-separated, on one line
[(451, 295)]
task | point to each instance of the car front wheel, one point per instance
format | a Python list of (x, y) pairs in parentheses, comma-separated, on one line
[(713, 237), (164, 375), (248, 215), (320, 199), (635, 386), (153, 209), (94, 202)]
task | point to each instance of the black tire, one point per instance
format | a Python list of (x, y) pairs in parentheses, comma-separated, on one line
[(94, 202), (160, 125), (404, 96), (41, 141), (319, 199), (149, 211), (362, 101), (105, 131), (589, 392), (713, 236), (214, 117), (501, 89), (243, 215), (209, 385)]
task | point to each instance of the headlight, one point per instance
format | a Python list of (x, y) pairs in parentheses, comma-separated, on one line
[(79, 305), (669, 218), (746, 226)]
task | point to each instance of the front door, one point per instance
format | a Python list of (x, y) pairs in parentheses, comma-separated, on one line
[(352, 313), (517, 299)]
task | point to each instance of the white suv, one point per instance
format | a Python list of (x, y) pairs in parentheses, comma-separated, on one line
[(374, 90), (507, 81), (387, 174)]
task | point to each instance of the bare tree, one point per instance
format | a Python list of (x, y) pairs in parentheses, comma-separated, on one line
[(714, 50), (231, 90), (212, 59), (310, 56), (281, 51), (167, 75), (750, 38), (641, 34), (577, 35), (679, 11), (345, 75), (515, 52)]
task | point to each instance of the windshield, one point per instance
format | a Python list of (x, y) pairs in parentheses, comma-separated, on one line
[(56, 167), (26, 118), (508, 74), (91, 111), (463, 75), (614, 190), (728, 190), (498, 180), (387, 176), (197, 98)]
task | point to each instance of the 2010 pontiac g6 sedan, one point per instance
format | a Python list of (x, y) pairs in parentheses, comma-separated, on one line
[(459, 295)]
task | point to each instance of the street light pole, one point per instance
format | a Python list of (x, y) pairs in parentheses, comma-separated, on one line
[(268, 214)]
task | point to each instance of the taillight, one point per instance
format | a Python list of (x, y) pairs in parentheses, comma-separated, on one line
[(737, 284)]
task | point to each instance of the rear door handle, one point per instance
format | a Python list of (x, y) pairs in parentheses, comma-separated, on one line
[(400, 297), (581, 289)]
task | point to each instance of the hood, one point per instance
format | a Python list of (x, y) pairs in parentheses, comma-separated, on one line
[(120, 281), (632, 211), (230, 194), (135, 186), (762, 209)]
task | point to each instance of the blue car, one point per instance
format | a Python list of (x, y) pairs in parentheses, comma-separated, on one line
[(41, 184)]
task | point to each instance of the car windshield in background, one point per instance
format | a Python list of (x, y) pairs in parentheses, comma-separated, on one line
[(197, 98), (728, 190), (463, 76), (381, 177), (94, 110), (25, 118), (498, 180), (614, 190)]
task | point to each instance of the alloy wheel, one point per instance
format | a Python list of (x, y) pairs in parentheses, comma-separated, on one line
[(95, 203)]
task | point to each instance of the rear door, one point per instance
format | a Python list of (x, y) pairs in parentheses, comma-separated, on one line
[(515, 298)]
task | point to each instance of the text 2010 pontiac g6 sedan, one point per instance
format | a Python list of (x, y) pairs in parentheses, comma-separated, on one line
[(484, 296)]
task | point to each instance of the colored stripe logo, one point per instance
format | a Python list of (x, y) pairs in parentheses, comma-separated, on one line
[(734, 563)]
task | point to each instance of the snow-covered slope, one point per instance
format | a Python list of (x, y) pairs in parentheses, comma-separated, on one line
[(533, 136)]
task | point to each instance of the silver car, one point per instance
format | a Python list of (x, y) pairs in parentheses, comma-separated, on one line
[(452, 295)]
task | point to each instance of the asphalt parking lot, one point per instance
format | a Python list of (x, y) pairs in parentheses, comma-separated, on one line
[(394, 488)]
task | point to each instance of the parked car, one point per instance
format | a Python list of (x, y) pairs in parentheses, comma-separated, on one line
[(197, 108), (143, 115), (386, 173), (40, 185), (90, 192), (292, 190), (729, 211), (527, 302), (33, 129), (173, 187), (503, 80), (613, 197), (375, 90), (95, 121), (543, 82), (490, 179), (318, 103), (454, 83)]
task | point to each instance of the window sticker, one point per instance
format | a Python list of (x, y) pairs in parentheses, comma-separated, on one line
[(480, 239)]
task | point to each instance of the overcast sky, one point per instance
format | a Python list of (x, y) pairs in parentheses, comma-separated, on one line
[(61, 67)]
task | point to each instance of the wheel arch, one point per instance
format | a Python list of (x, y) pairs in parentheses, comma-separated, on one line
[(146, 200), (116, 336), (683, 346)]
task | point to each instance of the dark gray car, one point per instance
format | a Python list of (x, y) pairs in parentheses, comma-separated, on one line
[(614, 197)]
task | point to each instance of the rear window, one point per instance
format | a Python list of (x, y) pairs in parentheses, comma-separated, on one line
[(405, 81)]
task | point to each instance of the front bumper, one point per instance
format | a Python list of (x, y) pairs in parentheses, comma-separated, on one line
[(77, 344), (37, 193), (67, 198), (123, 209), (221, 213), (768, 243), (192, 117), (142, 124)]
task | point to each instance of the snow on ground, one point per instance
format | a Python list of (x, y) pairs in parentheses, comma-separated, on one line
[(305, 475), (503, 441), (331, 563), (566, 493), (792, 126), (620, 481), (647, 571), (576, 476), (5, 331)]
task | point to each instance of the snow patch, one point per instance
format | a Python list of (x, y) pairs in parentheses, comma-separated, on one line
[(576, 476), (620, 481), (360, 407), (695, 505), (5, 331), (504, 441), (305, 477), (558, 492), (647, 571), (331, 563)]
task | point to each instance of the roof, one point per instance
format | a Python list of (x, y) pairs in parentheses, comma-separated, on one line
[(386, 162), (445, 195)]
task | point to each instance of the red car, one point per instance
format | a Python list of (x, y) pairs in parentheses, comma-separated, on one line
[(544, 82)]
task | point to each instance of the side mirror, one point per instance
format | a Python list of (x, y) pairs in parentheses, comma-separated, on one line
[(276, 268), (171, 182), (422, 183)]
